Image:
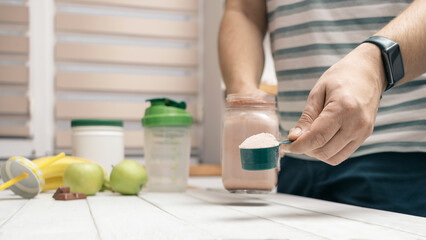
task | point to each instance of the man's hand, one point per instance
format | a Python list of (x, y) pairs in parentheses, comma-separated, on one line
[(341, 108)]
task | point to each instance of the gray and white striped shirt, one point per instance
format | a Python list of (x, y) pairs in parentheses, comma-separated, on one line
[(307, 37)]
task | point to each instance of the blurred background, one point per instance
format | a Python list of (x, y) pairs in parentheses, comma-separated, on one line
[(67, 59)]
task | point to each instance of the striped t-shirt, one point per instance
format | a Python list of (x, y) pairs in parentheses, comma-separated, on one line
[(307, 37)]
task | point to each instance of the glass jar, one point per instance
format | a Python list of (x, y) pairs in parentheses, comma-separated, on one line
[(246, 116)]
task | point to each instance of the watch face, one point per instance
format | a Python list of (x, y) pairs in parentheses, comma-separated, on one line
[(388, 71), (395, 63)]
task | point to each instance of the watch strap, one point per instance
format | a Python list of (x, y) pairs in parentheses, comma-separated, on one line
[(392, 59)]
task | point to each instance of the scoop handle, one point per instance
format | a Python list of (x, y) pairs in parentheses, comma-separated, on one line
[(13, 181), (285, 142)]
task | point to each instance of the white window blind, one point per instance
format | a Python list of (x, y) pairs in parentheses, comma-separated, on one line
[(113, 55), (14, 77)]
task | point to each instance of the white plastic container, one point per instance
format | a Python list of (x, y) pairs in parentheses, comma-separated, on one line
[(167, 145), (98, 140)]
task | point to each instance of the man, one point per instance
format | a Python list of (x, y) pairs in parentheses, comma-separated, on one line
[(333, 90)]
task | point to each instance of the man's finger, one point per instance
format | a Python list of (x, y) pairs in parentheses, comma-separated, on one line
[(344, 154), (281, 152), (336, 144), (313, 108), (322, 130)]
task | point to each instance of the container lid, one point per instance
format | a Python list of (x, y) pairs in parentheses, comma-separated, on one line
[(30, 186), (166, 112), (96, 122)]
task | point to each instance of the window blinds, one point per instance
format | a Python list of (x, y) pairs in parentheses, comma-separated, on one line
[(14, 49), (112, 55)]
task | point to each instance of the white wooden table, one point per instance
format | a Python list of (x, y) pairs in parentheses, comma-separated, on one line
[(206, 213)]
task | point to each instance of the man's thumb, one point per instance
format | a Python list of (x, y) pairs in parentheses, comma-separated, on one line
[(303, 125), (312, 110), (294, 133)]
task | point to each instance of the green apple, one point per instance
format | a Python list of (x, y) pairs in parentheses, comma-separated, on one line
[(84, 178), (128, 177)]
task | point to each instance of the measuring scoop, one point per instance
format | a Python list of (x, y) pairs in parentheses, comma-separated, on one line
[(255, 159)]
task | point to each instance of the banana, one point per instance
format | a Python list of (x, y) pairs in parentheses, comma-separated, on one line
[(53, 174), (38, 161), (57, 168), (53, 183)]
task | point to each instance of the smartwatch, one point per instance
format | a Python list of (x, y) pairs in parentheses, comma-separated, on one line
[(391, 57)]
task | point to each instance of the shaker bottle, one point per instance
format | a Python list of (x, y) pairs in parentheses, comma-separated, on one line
[(245, 116), (99, 140), (167, 135)]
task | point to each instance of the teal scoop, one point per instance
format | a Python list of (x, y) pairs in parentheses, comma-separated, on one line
[(255, 159)]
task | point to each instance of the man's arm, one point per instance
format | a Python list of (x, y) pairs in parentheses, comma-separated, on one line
[(342, 106), (409, 31), (241, 45)]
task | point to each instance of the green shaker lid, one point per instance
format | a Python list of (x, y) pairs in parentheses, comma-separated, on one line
[(96, 122), (166, 112)]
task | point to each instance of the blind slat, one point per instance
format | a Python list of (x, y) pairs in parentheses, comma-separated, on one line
[(126, 26), (14, 58), (108, 110), (125, 83), (13, 27), (13, 105), (132, 139), (126, 54), (14, 131), (13, 14), (14, 44), (13, 74), (178, 5)]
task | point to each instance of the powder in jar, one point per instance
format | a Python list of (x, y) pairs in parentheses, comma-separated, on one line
[(261, 140)]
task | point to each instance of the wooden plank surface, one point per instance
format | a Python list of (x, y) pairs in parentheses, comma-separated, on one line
[(223, 221), (391, 220), (126, 54), (99, 82), (198, 214), (269, 89), (44, 218), (310, 221), (205, 170), (129, 217), (10, 204), (180, 5), (126, 26), (207, 182)]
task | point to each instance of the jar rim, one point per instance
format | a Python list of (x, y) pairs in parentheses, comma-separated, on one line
[(235, 100)]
